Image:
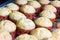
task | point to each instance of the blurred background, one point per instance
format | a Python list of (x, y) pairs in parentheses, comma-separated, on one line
[(4, 2)]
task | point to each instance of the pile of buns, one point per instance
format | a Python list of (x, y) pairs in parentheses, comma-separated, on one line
[(30, 20)]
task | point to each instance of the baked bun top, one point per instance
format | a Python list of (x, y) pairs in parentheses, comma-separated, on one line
[(15, 15), (21, 2), (13, 6), (25, 24), (43, 21), (44, 1), (56, 3), (27, 9), (4, 11), (50, 8), (48, 14), (41, 33), (4, 35), (35, 4), (8, 25), (26, 37)]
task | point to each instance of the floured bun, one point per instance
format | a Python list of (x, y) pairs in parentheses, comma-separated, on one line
[(21, 2), (15, 15), (4, 11), (44, 1), (25, 24), (35, 4), (13, 6), (27, 9), (8, 25), (48, 14), (56, 34), (4, 35), (56, 3), (26, 37), (50, 8), (41, 33), (43, 22)]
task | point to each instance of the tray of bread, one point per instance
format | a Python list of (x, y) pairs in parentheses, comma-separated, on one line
[(30, 20)]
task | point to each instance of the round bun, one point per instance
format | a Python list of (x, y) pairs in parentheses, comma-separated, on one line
[(8, 25), (15, 15), (50, 8), (35, 4), (41, 33), (4, 35), (56, 3), (43, 22), (27, 9), (4, 11), (25, 24), (26, 37), (21, 2), (44, 1), (13, 6), (48, 14)]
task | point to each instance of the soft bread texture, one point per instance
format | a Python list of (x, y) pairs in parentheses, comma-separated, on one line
[(44, 1), (4, 35), (25, 24), (41, 33), (27, 9), (26, 37), (15, 15), (8, 25), (4, 11), (56, 34), (35, 4), (50, 8), (48, 14), (13, 6), (21, 2), (43, 22), (56, 3)]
